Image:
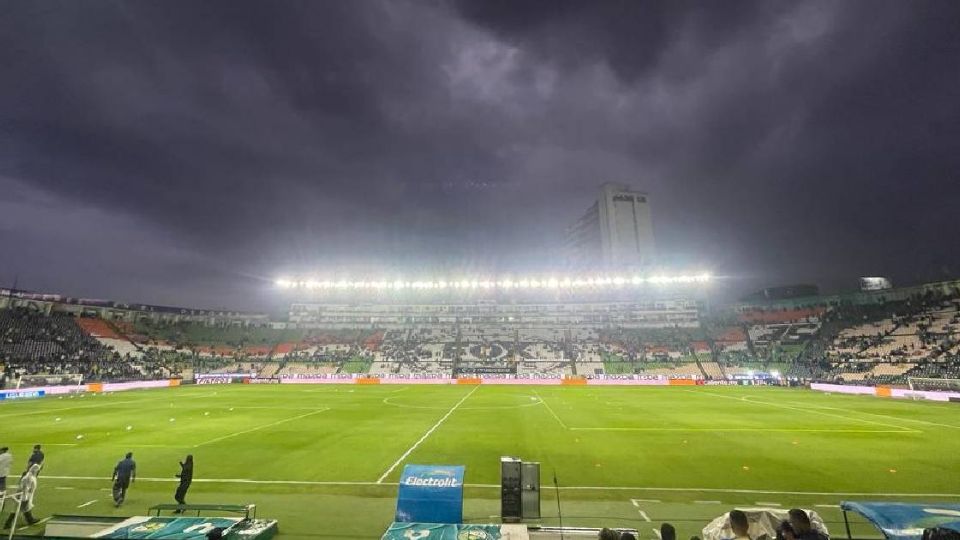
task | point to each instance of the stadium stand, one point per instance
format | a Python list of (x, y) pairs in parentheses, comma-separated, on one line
[(864, 339)]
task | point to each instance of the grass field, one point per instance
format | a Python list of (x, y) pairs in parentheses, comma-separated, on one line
[(325, 460)]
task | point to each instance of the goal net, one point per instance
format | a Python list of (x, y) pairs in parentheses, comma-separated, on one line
[(926, 384)]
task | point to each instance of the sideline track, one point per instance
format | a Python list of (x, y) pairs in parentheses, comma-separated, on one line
[(497, 486)]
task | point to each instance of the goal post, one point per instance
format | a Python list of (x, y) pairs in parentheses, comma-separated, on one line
[(933, 384)]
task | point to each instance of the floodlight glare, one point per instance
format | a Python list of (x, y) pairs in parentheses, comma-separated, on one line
[(531, 282)]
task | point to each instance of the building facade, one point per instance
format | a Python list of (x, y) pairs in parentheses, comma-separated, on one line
[(615, 233)]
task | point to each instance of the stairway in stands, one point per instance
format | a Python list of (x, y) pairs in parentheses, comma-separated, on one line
[(699, 363)]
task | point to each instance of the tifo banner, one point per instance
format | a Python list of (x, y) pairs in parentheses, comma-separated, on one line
[(441, 531), (430, 494)]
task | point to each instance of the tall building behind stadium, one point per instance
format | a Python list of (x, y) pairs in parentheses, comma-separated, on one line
[(616, 232)]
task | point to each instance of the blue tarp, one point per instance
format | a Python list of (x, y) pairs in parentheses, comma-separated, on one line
[(906, 521)]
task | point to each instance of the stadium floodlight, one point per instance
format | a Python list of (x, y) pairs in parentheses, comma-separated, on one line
[(530, 282)]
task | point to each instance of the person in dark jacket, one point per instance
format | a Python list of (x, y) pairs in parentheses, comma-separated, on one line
[(36, 458), (186, 477), (803, 529), (124, 473)]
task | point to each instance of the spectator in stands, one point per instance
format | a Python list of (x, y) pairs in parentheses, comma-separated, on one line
[(123, 474), (28, 487), (803, 530), (36, 458), (608, 534), (667, 532), (740, 525), (186, 477), (6, 460)]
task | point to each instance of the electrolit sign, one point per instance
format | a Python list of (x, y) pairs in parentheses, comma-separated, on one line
[(430, 494), (22, 394)]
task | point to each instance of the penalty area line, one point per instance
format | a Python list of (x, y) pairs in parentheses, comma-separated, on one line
[(425, 435)]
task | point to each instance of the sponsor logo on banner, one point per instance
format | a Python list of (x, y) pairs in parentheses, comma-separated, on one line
[(22, 394), (439, 477), (268, 380), (431, 482), (218, 378), (214, 380)]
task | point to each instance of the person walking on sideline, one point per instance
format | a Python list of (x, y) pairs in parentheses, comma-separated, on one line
[(123, 474), (186, 477), (36, 458), (6, 461), (28, 487)]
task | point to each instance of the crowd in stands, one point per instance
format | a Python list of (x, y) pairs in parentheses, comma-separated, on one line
[(32, 344), (882, 343)]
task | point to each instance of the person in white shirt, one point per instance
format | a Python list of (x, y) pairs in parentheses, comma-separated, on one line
[(6, 460), (28, 487)]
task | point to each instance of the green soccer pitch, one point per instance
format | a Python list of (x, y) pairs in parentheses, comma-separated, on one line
[(325, 459)]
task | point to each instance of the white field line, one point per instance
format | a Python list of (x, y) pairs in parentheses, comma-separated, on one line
[(43, 443), (761, 503), (258, 428), (386, 401), (88, 503), (927, 422), (270, 408), (827, 505), (105, 403), (759, 430), (807, 410), (706, 502), (644, 516), (549, 408), (497, 486), (44, 520), (636, 502), (425, 435), (657, 533)]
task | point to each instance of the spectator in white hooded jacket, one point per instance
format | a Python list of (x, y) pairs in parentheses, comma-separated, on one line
[(6, 460), (28, 487)]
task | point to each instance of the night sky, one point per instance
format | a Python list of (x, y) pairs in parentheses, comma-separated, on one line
[(188, 153)]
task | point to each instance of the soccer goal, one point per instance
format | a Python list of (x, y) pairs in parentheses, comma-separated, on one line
[(928, 384)]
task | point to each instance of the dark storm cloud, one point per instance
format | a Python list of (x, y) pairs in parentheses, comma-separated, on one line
[(784, 141)]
